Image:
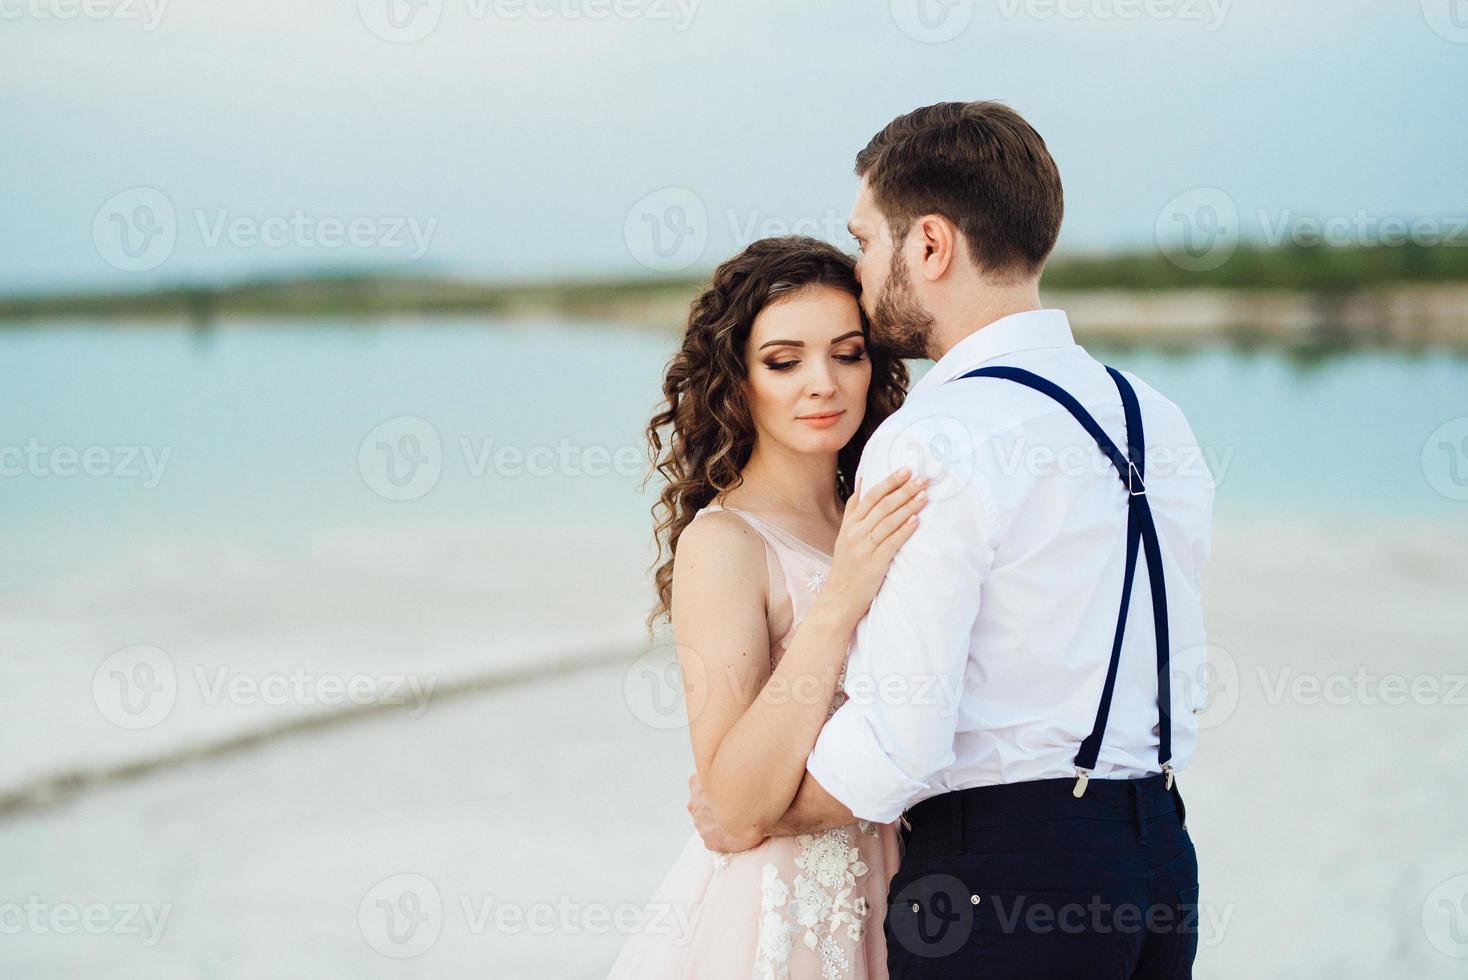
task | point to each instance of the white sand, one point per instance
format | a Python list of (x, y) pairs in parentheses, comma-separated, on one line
[(401, 612), (1322, 828)]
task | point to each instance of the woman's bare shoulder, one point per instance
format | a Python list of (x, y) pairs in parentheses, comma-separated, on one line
[(720, 549)]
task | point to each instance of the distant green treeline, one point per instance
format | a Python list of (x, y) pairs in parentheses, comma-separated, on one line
[(1320, 270)]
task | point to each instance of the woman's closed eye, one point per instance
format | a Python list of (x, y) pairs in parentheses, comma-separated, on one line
[(854, 357)]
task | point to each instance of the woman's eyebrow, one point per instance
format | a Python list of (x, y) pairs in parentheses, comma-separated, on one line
[(801, 343)]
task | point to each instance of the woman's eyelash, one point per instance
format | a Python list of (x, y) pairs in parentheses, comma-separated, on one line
[(844, 358)]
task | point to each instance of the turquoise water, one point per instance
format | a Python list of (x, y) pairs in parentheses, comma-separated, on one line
[(256, 431)]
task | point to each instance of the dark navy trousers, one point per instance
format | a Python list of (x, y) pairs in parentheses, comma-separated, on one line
[(1025, 880)]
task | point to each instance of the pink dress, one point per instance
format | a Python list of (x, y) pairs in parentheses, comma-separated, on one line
[(809, 907)]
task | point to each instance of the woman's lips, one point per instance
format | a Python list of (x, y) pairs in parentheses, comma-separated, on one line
[(822, 421)]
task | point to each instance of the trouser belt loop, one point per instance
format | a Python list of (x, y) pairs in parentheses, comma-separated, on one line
[(955, 819), (1141, 812)]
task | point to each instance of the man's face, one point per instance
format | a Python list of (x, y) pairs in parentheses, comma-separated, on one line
[(898, 321)]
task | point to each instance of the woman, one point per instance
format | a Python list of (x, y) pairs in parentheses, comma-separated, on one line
[(772, 563)]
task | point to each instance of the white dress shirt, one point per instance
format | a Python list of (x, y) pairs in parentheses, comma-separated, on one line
[(984, 654)]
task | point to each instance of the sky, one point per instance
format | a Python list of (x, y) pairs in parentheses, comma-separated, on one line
[(154, 142)]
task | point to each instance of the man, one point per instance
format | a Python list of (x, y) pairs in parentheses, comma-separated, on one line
[(1012, 701)]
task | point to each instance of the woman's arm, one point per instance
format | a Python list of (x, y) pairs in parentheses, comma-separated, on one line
[(752, 728)]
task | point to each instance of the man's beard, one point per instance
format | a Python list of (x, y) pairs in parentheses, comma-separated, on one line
[(899, 323)]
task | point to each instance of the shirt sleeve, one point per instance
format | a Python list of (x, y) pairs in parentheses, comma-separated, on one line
[(884, 748)]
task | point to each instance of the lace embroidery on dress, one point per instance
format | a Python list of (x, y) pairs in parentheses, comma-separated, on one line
[(772, 956), (820, 905)]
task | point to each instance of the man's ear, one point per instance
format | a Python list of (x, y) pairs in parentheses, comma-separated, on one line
[(938, 239)]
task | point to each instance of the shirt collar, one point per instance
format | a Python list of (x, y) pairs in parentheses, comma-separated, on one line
[(1029, 330)]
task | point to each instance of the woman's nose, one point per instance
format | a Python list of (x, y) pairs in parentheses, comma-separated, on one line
[(822, 381)]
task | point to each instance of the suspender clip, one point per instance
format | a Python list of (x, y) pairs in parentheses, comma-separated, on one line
[(1134, 480), (1083, 779), (903, 818), (1167, 771)]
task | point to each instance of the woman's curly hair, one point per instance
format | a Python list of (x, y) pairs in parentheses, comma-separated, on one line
[(710, 430)]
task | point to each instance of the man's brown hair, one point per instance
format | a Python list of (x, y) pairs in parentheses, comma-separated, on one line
[(980, 165)]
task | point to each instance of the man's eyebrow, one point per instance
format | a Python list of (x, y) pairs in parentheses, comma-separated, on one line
[(800, 343)]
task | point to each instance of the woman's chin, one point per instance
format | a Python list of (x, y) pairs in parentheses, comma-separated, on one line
[(831, 440)]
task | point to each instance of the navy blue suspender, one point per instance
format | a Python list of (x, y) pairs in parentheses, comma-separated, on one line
[(1141, 533)]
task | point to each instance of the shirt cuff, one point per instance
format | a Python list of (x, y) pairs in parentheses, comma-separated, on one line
[(850, 764)]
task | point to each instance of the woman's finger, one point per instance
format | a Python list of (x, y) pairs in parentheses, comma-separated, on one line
[(881, 490), (898, 537), (891, 522), (892, 502)]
